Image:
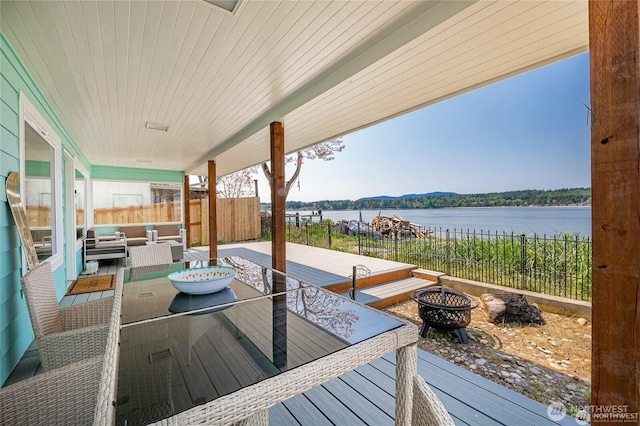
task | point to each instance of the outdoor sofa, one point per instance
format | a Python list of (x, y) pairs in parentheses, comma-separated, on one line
[(136, 235), (169, 232), (96, 247)]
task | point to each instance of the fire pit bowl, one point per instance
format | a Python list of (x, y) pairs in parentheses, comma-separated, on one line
[(444, 309)]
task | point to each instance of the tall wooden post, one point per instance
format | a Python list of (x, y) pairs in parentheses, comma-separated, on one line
[(213, 211), (278, 199), (615, 174), (186, 214), (278, 245)]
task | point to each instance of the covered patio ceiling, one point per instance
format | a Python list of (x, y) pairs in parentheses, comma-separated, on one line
[(218, 78)]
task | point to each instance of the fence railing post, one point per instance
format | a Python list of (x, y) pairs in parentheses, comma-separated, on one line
[(359, 241), (306, 230), (395, 247), (523, 260), (329, 233), (447, 259)]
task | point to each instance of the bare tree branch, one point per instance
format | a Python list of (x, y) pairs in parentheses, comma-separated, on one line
[(324, 151)]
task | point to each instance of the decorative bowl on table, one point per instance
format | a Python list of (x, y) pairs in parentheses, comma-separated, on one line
[(205, 280)]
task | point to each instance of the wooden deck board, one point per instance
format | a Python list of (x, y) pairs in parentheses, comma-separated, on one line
[(334, 409), (297, 270), (304, 410), (331, 261), (279, 415), (376, 395)]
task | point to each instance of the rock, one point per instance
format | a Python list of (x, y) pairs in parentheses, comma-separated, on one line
[(481, 361), (572, 387), (516, 376), (582, 321), (505, 356), (505, 373), (536, 371), (509, 307)]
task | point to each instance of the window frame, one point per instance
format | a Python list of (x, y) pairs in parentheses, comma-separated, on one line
[(30, 115)]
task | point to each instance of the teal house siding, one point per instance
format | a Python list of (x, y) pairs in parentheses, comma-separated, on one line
[(128, 173), (16, 332), (15, 328)]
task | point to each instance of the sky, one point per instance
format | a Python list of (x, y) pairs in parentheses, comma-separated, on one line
[(531, 131)]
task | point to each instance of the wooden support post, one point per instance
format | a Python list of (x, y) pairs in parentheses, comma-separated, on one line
[(186, 203), (213, 211), (278, 199), (278, 244), (615, 174)]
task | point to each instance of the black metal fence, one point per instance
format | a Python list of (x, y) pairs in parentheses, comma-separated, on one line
[(558, 265)]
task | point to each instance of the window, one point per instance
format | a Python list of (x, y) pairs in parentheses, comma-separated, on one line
[(116, 202), (41, 185), (80, 201)]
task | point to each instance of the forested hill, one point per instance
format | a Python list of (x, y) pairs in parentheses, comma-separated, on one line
[(559, 197)]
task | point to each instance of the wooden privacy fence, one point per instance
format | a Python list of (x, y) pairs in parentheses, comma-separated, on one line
[(146, 213), (238, 219)]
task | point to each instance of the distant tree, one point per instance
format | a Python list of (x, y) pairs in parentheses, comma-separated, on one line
[(236, 185), (324, 151)]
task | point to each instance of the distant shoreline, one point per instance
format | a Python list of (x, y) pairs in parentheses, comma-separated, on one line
[(434, 200)]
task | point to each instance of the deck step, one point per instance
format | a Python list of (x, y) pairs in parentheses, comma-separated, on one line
[(374, 279), (427, 274), (384, 295)]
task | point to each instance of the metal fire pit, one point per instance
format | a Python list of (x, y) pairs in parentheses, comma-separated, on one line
[(444, 309)]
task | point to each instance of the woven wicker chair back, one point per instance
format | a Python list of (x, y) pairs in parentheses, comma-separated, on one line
[(150, 254), (40, 294), (428, 410)]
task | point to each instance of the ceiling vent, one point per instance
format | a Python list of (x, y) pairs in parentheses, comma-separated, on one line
[(229, 6), (157, 126)]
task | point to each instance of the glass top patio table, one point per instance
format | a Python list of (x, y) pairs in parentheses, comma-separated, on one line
[(237, 359), (148, 293)]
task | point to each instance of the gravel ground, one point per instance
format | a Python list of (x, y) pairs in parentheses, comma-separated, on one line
[(548, 363)]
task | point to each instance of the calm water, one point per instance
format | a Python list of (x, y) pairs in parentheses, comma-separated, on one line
[(521, 220)]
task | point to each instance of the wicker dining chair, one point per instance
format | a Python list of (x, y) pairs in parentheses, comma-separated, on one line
[(64, 396), (64, 335), (427, 407), (150, 254), (80, 393)]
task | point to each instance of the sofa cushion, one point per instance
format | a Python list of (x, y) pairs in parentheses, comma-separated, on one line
[(168, 230), (134, 231)]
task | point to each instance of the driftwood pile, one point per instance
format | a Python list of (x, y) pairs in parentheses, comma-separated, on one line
[(396, 226)]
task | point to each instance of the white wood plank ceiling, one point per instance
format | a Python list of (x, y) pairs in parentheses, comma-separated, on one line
[(217, 79)]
